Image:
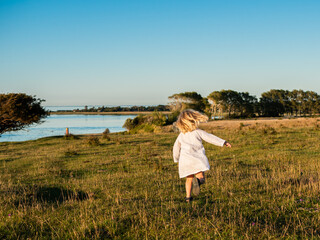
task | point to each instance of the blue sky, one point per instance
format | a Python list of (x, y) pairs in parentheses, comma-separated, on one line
[(117, 52)]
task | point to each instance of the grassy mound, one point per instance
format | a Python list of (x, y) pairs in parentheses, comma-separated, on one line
[(150, 123)]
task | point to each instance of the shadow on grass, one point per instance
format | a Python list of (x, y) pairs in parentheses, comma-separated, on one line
[(137, 141), (7, 160), (52, 195), (300, 181), (55, 194)]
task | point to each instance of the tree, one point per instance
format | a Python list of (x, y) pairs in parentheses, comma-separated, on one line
[(216, 101), (294, 100), (181, 101), (18, 110), (235, 103), (303, 102), (273, 103), (248, 105), (231, 101), (312, 102)]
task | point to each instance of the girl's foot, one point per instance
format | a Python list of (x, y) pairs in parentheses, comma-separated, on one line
[(188, 199), (195, 186)]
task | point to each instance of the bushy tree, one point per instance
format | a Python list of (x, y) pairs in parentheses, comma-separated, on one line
[(236, 104), (216, 102), (132, 123), (273, 103), (312, 102), (181, 101), (19, 110), (248, 105), (146, 123), (296, 99)]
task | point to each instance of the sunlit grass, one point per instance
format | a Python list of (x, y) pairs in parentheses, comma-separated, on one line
[(127, 187)]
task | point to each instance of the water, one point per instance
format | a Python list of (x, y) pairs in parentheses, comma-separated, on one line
[(56, 125)]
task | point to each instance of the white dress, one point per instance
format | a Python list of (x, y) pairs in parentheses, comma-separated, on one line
[(189, 151)]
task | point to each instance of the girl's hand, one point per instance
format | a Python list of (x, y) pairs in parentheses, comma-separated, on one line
[(227, 144)]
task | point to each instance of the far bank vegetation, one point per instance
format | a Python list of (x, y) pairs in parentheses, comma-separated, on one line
[(229, 104)]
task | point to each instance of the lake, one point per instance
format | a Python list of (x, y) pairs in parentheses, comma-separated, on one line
[(55, 125)]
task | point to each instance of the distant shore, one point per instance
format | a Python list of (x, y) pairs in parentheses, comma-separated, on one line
[(102, 113)]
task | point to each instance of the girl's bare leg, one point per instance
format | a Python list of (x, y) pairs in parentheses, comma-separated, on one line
[(189, 185), (201, 177)]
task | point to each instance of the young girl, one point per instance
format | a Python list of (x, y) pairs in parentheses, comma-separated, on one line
[(189, 151)]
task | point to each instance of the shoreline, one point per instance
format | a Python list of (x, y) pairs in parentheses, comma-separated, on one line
[(102, 113)]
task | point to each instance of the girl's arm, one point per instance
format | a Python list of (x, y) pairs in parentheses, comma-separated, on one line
[(210, 138), (176, 150)]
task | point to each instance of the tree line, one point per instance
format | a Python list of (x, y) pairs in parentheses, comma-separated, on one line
[(158, 108), (233, 104)]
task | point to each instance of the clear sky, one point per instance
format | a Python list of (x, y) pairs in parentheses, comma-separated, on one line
[(115, 52)]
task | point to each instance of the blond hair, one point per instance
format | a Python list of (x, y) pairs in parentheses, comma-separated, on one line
[(189, 120)]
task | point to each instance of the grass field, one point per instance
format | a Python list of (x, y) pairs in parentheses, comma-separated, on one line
[(266, 187)]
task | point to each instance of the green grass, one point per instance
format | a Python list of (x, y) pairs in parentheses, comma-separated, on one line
[(265, 187)]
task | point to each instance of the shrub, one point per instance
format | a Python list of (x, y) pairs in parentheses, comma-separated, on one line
[(105, 134), (132, 123), (70, 137), (148, 128), (272, 131), (268, 130), (172, 117), (143, 128), (158, 119), (148, 123), (70, 153), (128, 124), (93, 141)]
